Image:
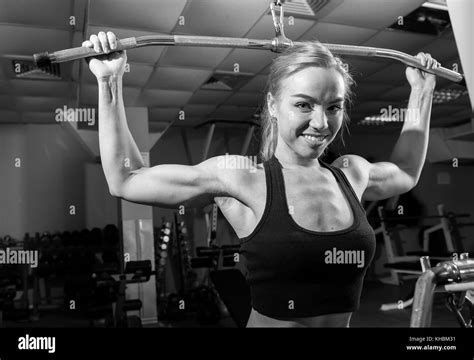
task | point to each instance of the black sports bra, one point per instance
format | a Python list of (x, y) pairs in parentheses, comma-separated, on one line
[(296, 272)]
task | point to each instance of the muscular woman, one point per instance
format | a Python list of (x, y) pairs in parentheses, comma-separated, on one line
[(305, 238)]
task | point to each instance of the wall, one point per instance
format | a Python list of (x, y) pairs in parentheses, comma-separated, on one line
[(13, 175), (101, 207), (38, 196)]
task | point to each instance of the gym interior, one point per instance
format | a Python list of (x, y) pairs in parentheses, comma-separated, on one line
[(91, 259)]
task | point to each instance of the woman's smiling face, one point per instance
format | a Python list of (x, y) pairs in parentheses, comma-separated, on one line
[(310, 111)]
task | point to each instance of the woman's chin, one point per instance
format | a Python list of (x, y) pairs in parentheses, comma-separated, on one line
[(311, 153)]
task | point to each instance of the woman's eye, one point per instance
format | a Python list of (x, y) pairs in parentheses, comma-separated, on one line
[(303, 106), (335, 108)]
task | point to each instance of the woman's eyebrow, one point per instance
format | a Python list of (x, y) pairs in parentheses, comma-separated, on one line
[(316, 100)]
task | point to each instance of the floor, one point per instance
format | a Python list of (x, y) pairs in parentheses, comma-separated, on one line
[(369, 315)]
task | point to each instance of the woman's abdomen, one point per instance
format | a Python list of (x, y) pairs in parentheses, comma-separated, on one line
[(330, 320)]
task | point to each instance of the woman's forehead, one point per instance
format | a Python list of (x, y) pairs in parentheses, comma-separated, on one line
[(315, 80)]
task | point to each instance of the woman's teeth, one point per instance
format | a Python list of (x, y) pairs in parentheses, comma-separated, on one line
[(313, 137)]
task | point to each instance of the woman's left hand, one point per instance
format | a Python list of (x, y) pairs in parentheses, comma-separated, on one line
[(420, 79)]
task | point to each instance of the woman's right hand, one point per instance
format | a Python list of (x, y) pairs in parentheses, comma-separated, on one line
[(107, 65)]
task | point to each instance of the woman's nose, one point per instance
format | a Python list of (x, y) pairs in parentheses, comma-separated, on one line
[(319, 119)]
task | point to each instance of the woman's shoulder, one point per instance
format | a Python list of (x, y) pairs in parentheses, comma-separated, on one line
[(354, 166), (238, 169)]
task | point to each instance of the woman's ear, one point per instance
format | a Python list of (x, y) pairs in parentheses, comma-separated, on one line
[(271, 104)]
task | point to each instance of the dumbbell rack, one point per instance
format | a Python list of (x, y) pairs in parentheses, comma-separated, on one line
[(109, 275)]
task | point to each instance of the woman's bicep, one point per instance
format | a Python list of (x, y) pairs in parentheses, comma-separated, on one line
[(172, 185), (386, 180)]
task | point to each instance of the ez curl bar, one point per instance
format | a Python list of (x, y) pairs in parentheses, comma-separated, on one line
[(277, 45)]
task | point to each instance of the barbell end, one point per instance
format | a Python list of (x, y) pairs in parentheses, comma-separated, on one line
[(42, 59)]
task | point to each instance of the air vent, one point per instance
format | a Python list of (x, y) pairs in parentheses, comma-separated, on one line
[(303, 7), (425, 20), (226, 81), (309, 8), (25, 69)]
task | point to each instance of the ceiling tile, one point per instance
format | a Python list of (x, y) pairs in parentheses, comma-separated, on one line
[(170, 98), (4, 86), (245, 99), (163, 114), (393, 74), (442, 50), (89, 94), (131, 96), (265, 70), (338, 34), (195, 110), (252, 61), (264, 29), (86, 75), (139, 14), (409, 43), (374, 14), (145, 55), (209, 97), (257, 84), (41, 87), (23, 40), (173, 78), (248, 61), (361, 67), (222, 18), (233, 113), (197, 57), (15, 12), (157, 126), (43, 104), (38, 118), (138, 75), (9, 116), (189, 122), (7, 102)]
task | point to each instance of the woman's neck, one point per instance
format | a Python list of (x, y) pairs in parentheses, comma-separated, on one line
[(294, 161)]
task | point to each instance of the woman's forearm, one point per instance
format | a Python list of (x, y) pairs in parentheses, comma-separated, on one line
[(119, 152), (410, 150)]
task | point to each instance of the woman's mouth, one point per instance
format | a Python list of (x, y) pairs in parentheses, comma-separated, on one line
[(314, 139)]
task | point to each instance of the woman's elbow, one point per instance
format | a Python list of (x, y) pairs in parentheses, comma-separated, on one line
[(114, 192)]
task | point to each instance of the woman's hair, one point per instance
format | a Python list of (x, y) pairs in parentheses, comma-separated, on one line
[(294, 59)]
